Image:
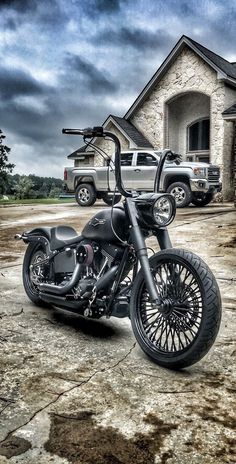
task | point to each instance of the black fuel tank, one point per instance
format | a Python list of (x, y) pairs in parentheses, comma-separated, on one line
[(99, 227)]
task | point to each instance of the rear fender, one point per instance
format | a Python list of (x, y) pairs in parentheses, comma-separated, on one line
[(39, 235)]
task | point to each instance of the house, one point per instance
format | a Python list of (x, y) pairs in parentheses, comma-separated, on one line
[(189, 106)]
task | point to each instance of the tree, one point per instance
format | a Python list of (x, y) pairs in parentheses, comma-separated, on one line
[(5, 166), (24, 187)]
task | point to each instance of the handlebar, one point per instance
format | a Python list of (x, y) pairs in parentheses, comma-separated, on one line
[(88, 132)]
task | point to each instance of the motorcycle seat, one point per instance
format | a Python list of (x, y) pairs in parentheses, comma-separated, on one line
[(62, 236)]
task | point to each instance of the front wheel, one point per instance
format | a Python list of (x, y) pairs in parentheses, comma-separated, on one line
[(182, 329), (181, 192)]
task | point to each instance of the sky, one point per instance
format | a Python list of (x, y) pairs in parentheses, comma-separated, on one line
[(71, 63)]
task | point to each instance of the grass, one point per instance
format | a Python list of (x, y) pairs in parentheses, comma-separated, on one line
[(38, 201)]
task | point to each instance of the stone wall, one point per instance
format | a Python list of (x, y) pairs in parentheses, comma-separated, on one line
[(107, 146), (229, 149)]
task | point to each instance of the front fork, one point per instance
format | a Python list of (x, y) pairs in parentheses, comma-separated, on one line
[(140, 247)]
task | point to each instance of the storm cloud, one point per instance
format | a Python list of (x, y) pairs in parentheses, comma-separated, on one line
[(73, 62), (95, 80)]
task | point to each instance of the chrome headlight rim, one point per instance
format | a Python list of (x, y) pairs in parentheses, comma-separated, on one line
[(160, 204)]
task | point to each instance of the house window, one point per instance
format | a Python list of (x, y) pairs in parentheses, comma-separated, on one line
[(199, 135)]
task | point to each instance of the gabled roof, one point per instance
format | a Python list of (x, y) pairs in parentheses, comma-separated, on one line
[(80, 151), (224, 68), (132, 132)]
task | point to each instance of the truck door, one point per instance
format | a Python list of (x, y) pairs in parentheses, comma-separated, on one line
[(127, 174), (145, 171)]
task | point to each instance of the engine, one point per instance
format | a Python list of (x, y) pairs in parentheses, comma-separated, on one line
[(96, 261)]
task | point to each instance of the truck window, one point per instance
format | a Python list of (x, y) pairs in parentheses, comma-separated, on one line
[(126, 159), (146, 159)]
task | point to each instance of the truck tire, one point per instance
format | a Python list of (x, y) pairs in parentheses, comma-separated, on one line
[(202, 200), (85, 195), (108, 199), (181, 192)]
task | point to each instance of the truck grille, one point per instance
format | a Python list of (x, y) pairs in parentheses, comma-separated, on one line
[(213, 174)]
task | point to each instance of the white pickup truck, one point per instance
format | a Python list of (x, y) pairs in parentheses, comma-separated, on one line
[(189, 182)]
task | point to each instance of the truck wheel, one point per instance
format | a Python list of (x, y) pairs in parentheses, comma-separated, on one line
[(202, 200), (85, 195), (181, 192), (108, 199)]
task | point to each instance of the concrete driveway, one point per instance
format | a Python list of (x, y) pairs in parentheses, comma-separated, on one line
[(78, 391)]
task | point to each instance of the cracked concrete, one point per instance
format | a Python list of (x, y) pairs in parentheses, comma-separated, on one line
[(70, 387)]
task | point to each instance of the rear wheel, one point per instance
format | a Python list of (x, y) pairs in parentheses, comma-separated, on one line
[(34, 272), (202, 199), (182, 329), (181, 192), (85, 195)]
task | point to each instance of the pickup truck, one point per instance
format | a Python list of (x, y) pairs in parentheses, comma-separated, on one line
[(189, 182)]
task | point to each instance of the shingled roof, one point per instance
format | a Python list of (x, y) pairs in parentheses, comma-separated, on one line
[(132, 132), (80, 151), (225, 66)]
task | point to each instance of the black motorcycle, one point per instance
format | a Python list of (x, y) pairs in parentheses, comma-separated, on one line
[(172, 298)]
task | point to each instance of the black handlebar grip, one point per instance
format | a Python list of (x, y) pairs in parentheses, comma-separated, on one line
[(96, 131)]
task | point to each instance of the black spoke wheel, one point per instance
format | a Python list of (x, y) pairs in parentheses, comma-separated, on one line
[(180, 331)]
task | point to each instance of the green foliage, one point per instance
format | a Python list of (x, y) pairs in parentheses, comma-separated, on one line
[(5, 166), (33, 187), (23, 188)]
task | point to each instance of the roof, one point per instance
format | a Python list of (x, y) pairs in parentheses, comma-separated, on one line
[(80, 151), (227, 67), (230, 113), (132, 132), (230, 110), (224, 68)]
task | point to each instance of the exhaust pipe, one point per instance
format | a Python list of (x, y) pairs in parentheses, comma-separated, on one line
[(62, 289), (61, 302), (103, 282)]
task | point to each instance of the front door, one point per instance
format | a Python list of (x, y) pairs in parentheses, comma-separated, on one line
[(145, 171)]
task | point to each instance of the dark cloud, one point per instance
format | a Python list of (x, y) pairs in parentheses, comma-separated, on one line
[(93, 79), (14, 82), (103, 7), (132, 37), (21, 6)]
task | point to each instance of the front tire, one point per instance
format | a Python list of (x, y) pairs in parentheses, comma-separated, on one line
[(183, 328), (182, 194), (85, 195), (202, 200)]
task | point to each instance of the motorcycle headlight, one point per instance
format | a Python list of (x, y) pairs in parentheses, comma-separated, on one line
[(164, 210)]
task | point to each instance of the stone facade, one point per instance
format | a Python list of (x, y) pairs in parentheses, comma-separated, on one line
[(108, 146), (189, 73)]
